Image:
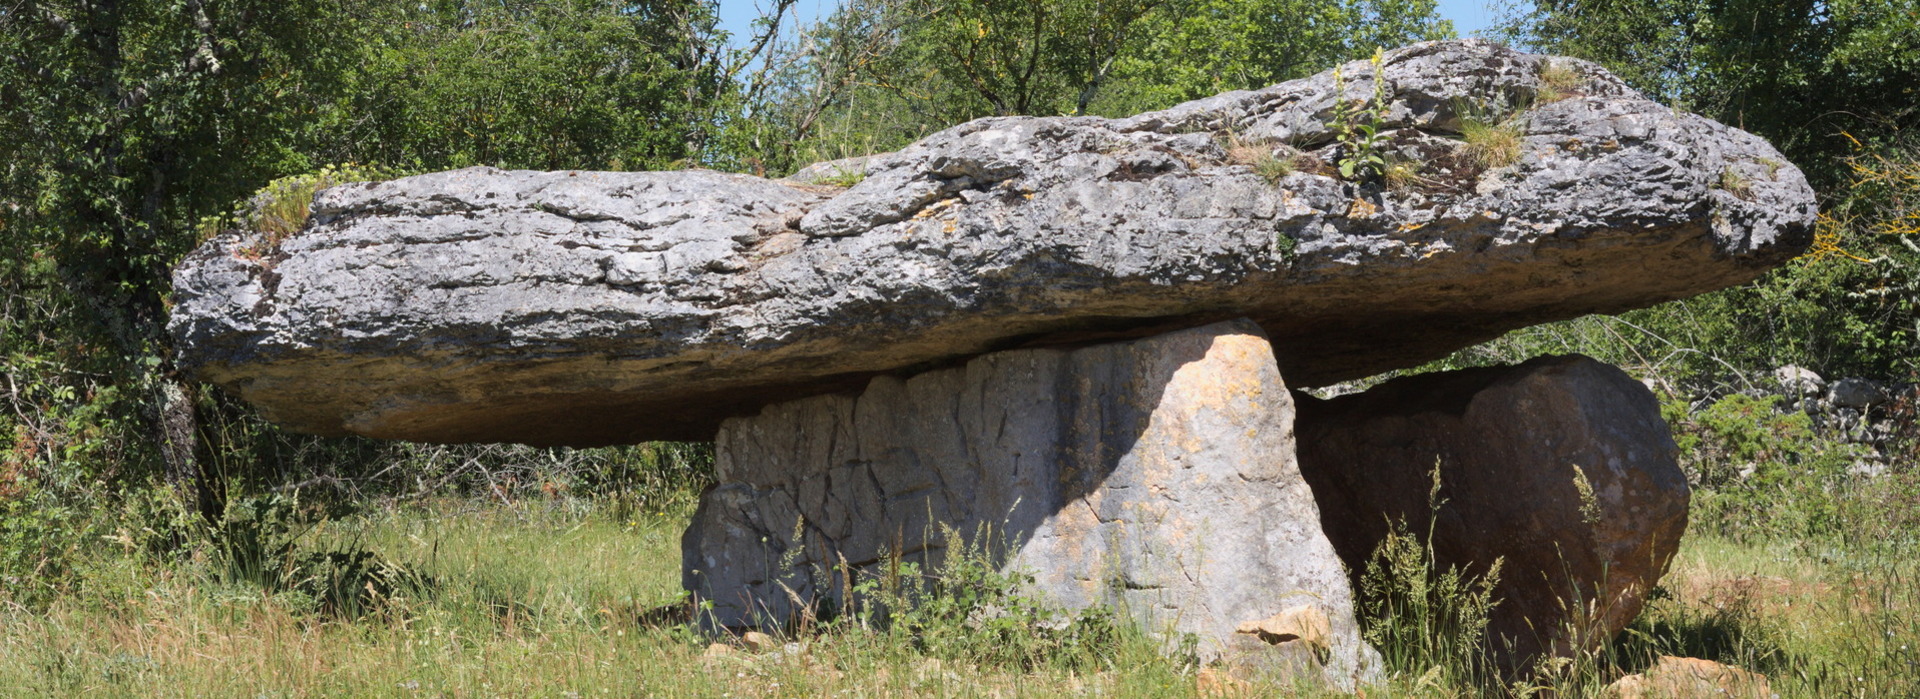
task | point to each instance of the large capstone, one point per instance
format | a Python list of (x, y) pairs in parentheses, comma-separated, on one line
[(587, 308), (1155, 477), (1560, 468)]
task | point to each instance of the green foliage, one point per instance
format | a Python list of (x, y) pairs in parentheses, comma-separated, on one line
[(1742, 430), (280, 209), (1761, 469), (1424, 619), (880, 73), (565, 84), (259, 545), (132, 122), (40, 540), (1207, 47)]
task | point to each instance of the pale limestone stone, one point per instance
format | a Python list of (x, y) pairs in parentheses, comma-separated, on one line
[(1154, 476)]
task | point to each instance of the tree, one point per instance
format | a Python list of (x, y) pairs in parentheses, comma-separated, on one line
[(1213, 46), (548, 84), (122, 123), (1833, 85), (1813, 77), (881, 73), (129, 126)]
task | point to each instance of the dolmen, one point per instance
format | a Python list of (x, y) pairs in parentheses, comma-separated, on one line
[(1078, 343)]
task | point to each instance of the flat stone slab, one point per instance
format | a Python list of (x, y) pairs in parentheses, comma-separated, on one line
[(1561, 468), (1153, 477), (584, 308)]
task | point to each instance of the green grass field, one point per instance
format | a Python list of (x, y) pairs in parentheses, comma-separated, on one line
[(555, 598)]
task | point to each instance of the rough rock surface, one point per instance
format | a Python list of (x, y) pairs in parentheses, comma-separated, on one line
[(1155, 477), (1561, 465), (593, 308)]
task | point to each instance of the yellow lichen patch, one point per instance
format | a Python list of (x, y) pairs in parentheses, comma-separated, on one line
[(1362, 208)]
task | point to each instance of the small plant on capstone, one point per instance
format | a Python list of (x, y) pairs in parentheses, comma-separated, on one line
[(1735, 183), (1358, 127), (1491, 144), (1403, 173), (843, 178), (1262, 156), (280, 209), (1273, 168), (1558, 81), (1284, 246)]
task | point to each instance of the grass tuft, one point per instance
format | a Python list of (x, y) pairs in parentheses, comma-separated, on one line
[(1735, 183), (1403, 173), (1263, 156), (1558, 81), (1491, 144)]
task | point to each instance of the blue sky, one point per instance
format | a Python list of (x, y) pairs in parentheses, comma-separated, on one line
[(736, 15)]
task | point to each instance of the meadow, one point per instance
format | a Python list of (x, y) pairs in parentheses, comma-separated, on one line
[(541, 594)]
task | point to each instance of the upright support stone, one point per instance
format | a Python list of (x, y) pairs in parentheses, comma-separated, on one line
[(1561, 468), (1156, 476)]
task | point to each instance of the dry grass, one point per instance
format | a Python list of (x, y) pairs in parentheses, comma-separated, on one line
[(543, 600), (1491, 144), (1735, 183), (1559, 81), (1263, 156), (523, 603), (1402, 173)]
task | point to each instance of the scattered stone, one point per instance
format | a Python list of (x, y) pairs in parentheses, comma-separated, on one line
[(719, 650), (1155, 477), (1799, 382), (1858, 393), (1305, 623), (1561, 467), (1218, 682), (758, 642), (592, 308), (1691, 678)]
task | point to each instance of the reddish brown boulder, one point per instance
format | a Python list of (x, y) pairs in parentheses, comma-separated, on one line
[(1561, 466)]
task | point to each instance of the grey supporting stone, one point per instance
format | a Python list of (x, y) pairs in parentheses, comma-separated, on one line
[(1156, 476)]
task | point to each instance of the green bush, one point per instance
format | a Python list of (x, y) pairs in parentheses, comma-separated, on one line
[(1761, 470)]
